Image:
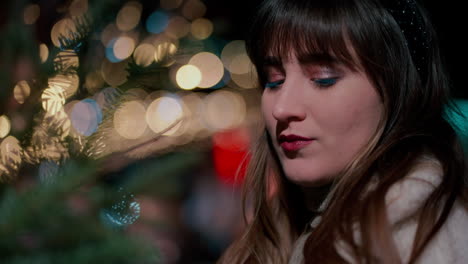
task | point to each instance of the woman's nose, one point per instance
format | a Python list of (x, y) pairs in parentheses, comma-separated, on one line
[(288, 105)]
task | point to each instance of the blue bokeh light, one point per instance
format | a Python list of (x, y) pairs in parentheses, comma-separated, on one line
[(157, 22)]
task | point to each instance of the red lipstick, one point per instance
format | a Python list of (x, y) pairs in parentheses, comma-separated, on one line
[(293, 142)]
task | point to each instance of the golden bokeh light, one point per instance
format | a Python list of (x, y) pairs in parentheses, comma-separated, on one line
[(67, 58), (153, 96), (210, 66), (11, 152), (60, 122), (164, 53), (170, 4), (67, 83), (231, 52), (188, 77), (93, 81), (144, 54), (21, 91), (53, 99), (178, 27), (163, 113), (224, 109), (129, 16), (201, 28), (109, 33), (78, 8), (156, 40), (241, 64), (43, 52), (193, 106), (247, 80), (123, 47), (129, 119), (5, 126), (193, 9), (31, 13), (114, 74), (63, 28)]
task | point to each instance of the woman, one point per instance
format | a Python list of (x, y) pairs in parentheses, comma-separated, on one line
[(356, 163)]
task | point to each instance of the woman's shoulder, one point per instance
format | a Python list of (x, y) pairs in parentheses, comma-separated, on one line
[(408, 194), (405, 198), (449, 245)]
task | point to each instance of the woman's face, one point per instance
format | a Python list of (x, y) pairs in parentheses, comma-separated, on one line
[(319, 116)]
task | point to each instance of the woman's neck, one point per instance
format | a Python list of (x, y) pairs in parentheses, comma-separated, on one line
[(315, 196)]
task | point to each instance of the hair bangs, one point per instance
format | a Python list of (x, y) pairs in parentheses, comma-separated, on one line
[(294, 29)]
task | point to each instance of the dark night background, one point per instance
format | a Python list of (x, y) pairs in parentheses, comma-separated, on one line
[(234, 18)]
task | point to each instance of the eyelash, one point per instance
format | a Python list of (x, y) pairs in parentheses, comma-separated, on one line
[(321, 83)]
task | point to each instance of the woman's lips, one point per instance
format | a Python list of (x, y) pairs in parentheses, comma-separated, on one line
[(293, 142)]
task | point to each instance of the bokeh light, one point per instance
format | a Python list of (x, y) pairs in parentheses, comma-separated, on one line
[(63, 28), (230, 53), (144, 54), (120, 48), (241, 64), (210, 66), (114, 74), (86, 116), (247, 80), (193, 106), (67, 83), (123, 47), (67, 59), (18, 122), (170, 4), (21, 91), (5, 126), (78, 8), (107, 97), (43, 52), (93, 81), (157, 22), (31, 13), (53, 99), (164, 53), (193, 9), (58, 121), (163, 113), (129, 16), (129, 120), (11, 151), (188, 77), (224, 109), (178, 27), (201, 28), (134, 94), (109, 33)]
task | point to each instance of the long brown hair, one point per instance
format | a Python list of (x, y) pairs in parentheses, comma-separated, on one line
[(414, 96)]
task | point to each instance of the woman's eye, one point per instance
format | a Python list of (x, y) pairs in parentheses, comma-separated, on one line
[(325, 82), (274, 84)]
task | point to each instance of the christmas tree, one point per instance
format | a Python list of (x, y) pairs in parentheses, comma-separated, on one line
[(120, 100)]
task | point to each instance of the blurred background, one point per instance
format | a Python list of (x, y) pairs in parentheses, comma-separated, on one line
[(125, 126)]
